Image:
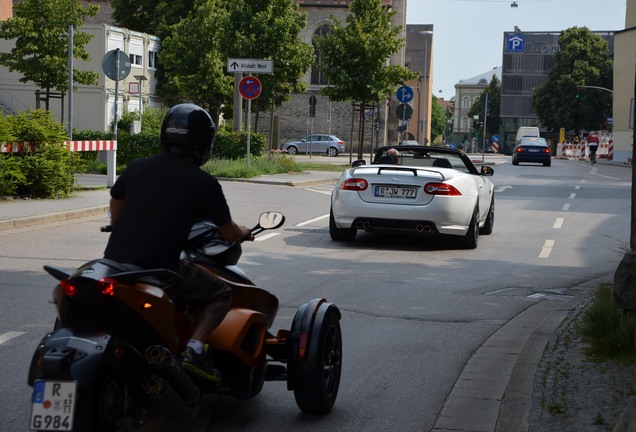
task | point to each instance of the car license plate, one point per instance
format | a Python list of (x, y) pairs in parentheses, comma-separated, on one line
[(395, 192), (533, 150), (53, 405)]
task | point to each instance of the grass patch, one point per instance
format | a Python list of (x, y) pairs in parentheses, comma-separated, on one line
[(258, 166), (606, 329)]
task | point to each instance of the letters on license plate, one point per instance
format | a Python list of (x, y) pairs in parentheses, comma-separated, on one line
[(395, 192), (53, 405)]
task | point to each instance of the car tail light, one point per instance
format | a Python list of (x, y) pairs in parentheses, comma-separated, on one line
[(69, 289), (340, 142), (355, 184), (106, 286), (441, 189), (547, 150)]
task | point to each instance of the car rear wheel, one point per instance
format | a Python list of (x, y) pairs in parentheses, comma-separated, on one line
[(490, 219), (292, 150), (515, 162), (340, 234), (332, 152), (470, 240), (547, 163)]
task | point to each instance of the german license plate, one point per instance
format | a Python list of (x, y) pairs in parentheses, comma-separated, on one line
[(53, 405), (395, 192), (533, 150)]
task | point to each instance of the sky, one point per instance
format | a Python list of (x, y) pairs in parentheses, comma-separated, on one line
[(468, 34)]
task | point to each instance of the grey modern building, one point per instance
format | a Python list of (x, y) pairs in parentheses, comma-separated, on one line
[(528, 58)]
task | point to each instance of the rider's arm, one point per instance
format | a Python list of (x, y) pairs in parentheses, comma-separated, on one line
[(115, 208), (235, 233)]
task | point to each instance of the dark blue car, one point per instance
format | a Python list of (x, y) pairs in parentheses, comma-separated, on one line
[(532, 149)]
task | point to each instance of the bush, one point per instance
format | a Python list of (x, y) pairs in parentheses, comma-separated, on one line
[(11, 175), (607, 330), (48, 172), (233, 145)]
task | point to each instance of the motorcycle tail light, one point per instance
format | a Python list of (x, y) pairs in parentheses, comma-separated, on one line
[(69, 289), (441, 189), (106, 286)]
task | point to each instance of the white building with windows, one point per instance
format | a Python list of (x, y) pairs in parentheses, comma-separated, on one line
[(93, 106), (467, 92)]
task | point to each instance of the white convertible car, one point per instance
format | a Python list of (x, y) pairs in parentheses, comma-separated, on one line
[(415, 190)]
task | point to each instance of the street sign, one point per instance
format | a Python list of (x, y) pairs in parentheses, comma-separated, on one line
[(405, 94), (250, 66), (109, 64), (250, 87), (404, 111)]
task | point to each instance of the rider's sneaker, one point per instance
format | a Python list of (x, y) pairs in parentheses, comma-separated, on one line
[(200, 365)]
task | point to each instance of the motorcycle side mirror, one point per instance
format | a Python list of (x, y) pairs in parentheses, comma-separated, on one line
[(271, 220)]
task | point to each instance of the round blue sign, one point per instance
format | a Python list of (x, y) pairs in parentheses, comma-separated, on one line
[(405, 94), (495, 138)]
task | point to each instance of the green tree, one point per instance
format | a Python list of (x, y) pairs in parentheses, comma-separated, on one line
[(40, 30), (493, 122), (355, 57), (270, 29), (583, 60), (192, 63), (150, 16), (438, 119)]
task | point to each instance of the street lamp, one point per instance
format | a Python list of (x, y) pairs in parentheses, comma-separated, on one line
[(141, 79), (423, 109)]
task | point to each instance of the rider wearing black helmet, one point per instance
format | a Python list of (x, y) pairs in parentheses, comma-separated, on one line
[(153, 205)]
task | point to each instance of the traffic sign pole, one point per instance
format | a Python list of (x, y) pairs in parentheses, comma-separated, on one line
[(249, 88)]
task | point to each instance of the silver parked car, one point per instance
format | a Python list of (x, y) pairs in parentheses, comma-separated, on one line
[(319, 143)]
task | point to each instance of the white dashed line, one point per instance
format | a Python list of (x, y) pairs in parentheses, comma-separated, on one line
[(572, 195), (558, 223), (316, 219), (566, 207), (10, 335), (547, 249), (266, 236)]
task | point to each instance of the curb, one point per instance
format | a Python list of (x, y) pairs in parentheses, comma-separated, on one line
[(26, 222)]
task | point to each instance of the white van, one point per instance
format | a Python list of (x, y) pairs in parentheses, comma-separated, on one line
[(526, 131)]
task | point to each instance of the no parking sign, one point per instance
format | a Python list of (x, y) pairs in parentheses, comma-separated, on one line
[(250, 87)]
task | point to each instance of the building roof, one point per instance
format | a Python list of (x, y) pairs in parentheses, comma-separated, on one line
[(482, 79)]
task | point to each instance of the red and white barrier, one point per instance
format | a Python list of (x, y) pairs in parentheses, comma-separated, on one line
[(96, 145), (110, 146)]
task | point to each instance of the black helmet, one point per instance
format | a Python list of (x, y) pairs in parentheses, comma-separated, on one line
[(188, 129)]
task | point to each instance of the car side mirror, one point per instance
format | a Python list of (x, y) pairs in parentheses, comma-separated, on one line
[(487, 171), (357, 163)]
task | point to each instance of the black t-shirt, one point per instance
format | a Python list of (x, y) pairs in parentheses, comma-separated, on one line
[(164, 195)]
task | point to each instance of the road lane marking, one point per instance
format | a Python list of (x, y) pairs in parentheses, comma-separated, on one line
[(10, 335), (266, 236), (547, 249), (572, 195), (502, 188), (577, 187), (558, 223), (316, 219), (566, 207)]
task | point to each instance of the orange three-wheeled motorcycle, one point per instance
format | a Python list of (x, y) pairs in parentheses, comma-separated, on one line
[(111, 362)]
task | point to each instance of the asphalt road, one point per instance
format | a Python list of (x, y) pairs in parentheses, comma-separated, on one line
[(414, 310)]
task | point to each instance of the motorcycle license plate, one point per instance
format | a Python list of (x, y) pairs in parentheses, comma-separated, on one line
[(53, 405)]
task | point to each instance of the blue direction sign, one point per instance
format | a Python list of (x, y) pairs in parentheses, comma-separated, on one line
[(405, 94), (250, 87)]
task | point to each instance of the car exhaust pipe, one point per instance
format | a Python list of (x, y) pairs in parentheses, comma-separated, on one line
[(366, 225), (167, 399), (161, 359), (360, 224), (423, 228)]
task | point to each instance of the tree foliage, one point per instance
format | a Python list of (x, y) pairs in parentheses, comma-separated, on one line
[(583, 60), (40, 30), (438, 119), (493, 122), (270, 29), (355, 56), (150, 16)]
